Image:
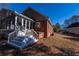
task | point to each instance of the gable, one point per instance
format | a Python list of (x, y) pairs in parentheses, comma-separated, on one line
[(34, 14)]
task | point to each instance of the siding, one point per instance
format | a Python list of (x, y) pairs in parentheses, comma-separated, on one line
[(74, 30)]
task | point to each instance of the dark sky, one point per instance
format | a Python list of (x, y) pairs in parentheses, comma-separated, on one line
[(56, 12)]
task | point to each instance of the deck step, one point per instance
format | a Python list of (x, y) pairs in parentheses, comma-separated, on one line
[(21, 42)]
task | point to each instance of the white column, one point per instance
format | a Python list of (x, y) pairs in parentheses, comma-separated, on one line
[(29, 24), (22, 21), (15, 22), (25, 24)]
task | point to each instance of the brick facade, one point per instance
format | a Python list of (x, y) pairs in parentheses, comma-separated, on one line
[(49, 29), (45, 25)]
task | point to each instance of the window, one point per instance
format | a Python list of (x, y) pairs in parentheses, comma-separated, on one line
[(37, 25)]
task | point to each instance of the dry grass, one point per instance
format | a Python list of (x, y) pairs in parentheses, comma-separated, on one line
[(62, 44), (53, 46)]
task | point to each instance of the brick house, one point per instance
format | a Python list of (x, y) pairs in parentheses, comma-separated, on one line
[(21, 31), (42, 23)]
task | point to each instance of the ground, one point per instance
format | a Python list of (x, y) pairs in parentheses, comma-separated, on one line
[(62, 44), (56, 45)]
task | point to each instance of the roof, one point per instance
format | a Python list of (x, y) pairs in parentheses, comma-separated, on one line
[(32, 10), (76, 24), (16, 13), (76, 16), (22, 16), (37, 13)]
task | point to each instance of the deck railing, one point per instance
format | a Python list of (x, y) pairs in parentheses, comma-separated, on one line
[(35, 34), (12, 35), (31, 32)]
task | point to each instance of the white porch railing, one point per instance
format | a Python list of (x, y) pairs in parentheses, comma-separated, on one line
[(35, 34), (32, 32), (14, 34)]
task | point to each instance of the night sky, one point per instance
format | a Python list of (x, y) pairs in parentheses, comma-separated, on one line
[(56, 12)]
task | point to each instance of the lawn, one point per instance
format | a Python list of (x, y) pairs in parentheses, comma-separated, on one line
[(57, 45)]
